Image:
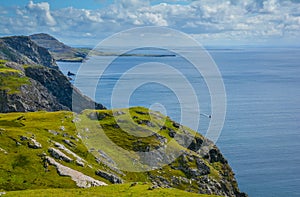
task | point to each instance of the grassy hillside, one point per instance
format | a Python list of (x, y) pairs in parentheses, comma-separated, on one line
[(124, 190), (101, 141), (11, 79)]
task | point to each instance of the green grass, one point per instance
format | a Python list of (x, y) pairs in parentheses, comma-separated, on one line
[(22, 168), (10, 79), (124, 190)]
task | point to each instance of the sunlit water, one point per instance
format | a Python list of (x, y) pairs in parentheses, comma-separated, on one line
[(261, 135)]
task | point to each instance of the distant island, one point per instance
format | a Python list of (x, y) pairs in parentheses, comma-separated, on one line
[(64, 53)]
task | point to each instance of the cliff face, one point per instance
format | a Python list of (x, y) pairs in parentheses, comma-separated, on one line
[(33, 88), (23, 50), (60, 87), (33, 82)]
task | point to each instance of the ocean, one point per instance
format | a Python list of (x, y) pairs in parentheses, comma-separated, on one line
[(261, 134)]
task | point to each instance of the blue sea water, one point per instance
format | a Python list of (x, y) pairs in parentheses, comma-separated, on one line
[(261, 134)]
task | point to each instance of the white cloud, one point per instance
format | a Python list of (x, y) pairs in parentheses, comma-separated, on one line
[(42, 13), (215, 19)]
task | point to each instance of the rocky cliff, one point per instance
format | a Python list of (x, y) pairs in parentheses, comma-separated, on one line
[(33, 88), (22, 50)]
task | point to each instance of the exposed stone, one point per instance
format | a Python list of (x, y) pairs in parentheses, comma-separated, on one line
[(172, 133), (133, 184), (79, 163), (141, 112), (146, 122), (23, 138), (59, 155), (4, 151), (196, 144), (68, 142), (22, 50), (34, 144), (63, 148), (108, 176), (81, 179), (176, 125), (61, 88)]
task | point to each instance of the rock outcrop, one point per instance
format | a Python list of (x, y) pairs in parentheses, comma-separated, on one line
[(59, 155), (61, 88), (111, 177), (42, 88), (81, 179), (39, 83), (22, 50)]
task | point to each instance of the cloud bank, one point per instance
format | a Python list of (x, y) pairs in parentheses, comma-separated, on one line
[(207, 20)]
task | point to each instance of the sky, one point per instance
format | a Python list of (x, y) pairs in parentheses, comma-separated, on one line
[(211, 22)]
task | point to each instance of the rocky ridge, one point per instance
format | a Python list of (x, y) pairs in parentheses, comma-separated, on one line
[(22, 50), (41, 88)]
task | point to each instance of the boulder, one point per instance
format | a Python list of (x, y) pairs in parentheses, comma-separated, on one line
[(81, 179), (59, 155), (108, 176), (32, 143)]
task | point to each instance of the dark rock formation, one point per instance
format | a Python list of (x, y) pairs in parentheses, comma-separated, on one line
[(22, 50), (108, 176), (31, 97), (60, 87), (46, 89)]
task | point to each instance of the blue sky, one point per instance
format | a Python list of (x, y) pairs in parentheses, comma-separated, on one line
[(212, 22)]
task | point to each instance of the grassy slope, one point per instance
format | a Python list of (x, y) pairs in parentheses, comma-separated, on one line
[(22, 168), (11, 79), (112, 190)]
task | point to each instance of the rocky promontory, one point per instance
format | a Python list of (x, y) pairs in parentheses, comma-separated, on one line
[(34, 88), (22, 50)]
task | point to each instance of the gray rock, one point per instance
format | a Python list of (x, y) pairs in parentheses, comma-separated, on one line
[(23, 138), (66, 150), (108, 176), (68, 142), (22, 50), (4, 151), (79, 163), (81, 179), (59, 155), (172, 133), (176, 125), (34, 144)]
